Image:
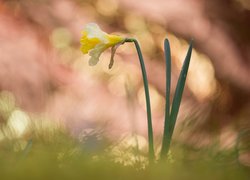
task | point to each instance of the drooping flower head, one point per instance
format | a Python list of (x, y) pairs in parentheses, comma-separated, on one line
[(94, 41)]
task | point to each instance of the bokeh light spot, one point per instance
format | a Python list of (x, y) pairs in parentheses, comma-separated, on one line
[(18, 122)]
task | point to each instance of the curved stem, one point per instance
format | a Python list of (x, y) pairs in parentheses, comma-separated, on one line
[(145, 82)]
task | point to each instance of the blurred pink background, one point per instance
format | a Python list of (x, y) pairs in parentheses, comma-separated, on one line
[(42, 66)]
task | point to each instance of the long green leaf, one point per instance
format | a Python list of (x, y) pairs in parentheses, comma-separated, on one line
[(179, 89), (166, 131)]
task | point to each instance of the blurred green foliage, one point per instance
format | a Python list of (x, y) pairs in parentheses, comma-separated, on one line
[(59, 156), (54, 154)]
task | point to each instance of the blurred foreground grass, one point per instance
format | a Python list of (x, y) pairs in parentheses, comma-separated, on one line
[(36, 148), (54, 154)]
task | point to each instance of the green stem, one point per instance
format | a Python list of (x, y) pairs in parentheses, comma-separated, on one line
[(145, 82)]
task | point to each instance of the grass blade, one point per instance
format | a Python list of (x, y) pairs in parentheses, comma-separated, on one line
[(27, 148)]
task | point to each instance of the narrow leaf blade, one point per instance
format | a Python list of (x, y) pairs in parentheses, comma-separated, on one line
[(179, 89), (166, 135)]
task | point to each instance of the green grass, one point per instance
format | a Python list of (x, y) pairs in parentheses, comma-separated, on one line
[(57, 155)]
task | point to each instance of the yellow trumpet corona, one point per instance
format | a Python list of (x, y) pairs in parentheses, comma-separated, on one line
[(94, 41)]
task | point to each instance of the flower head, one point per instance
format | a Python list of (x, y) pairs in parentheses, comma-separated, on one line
[(94, 41)]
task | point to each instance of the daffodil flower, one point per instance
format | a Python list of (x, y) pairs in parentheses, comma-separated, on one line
[(94, 42)]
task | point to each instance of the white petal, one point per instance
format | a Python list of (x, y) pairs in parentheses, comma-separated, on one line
[(94, 31), (95, 54)]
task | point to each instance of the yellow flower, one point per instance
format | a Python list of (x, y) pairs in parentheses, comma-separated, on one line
[(94, 41)]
